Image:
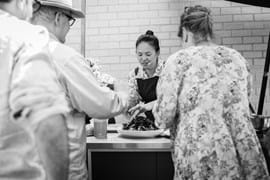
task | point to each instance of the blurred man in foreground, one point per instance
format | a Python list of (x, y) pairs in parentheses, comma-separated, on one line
[(83, 91), (33, 133)]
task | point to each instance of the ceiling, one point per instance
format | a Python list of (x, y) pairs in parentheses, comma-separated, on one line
[(261, 3)]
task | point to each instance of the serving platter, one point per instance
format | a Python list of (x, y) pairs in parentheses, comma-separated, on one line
[(140, 134)]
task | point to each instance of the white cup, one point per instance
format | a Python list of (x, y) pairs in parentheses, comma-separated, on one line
[(100, 128)]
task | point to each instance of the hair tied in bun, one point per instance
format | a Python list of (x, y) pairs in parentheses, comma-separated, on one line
[(150, 38), (149, 32)]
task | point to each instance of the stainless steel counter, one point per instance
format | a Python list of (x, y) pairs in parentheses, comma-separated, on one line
[(117, 143)]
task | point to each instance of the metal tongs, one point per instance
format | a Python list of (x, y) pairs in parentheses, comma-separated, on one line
[(135, 114)]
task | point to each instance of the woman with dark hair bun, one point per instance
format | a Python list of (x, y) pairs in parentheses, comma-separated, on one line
[(143, 79), (202, 96)]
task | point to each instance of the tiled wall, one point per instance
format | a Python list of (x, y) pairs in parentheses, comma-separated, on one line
[(112, 27)]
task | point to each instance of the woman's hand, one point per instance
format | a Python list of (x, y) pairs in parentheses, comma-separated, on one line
[(141, 108)]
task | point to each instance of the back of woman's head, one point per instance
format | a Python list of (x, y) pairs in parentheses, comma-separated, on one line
[(197, 19), (150, 38)]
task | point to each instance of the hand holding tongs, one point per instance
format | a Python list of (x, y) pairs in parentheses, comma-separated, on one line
[(136, 110)]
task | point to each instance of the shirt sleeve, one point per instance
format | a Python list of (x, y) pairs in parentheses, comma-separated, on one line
[(35, 91), (168, 90), (85, 93), (134, 97)]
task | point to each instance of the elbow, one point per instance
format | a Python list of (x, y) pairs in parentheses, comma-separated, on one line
[(52, 143), (53, 129)]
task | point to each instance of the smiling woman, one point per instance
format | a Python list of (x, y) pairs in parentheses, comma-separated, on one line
[(143, 79)]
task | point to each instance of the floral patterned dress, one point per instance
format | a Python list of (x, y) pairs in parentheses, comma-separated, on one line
[(203, 99)]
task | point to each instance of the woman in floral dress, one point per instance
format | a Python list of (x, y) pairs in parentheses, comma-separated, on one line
[(202, 96)]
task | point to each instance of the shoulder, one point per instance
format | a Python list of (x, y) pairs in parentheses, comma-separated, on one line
[(39, 36), (22, 33), (25, 40), (64, 54), (226, 50), (231, 53), (137, 73), (55, 45), (179, 56), (134, 72)]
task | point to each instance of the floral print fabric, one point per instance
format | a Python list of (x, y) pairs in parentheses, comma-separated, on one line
[(103, 78), (203, 99)]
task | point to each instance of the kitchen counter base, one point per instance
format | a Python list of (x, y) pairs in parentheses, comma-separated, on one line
[(125, 158)]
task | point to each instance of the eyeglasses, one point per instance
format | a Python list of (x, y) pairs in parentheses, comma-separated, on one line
[(71, 20), (36, 6)]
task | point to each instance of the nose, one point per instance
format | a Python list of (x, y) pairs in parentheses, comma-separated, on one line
[(144, 58)]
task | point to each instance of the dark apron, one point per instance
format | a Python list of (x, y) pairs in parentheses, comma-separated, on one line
[(147, 90)]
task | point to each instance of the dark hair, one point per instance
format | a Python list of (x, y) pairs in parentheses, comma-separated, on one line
[(197, 19), (150, 38)]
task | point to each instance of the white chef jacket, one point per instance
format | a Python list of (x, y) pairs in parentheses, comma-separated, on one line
[(85, 96), (25, 71)]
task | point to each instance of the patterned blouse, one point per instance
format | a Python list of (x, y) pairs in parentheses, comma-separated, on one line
[(202, 96), (134, 97)]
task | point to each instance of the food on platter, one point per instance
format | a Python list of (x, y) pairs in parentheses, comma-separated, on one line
[(140, 123)]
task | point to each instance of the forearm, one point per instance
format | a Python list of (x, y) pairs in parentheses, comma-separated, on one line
[(111, 104), (141, 107), (151, 104), (52, 142), (86, 95)]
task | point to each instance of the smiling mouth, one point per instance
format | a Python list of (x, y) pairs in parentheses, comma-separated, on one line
[(146, 63)]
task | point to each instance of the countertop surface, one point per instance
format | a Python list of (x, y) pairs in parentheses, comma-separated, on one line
[(116, 141)]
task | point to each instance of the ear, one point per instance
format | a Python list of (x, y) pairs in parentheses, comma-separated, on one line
[(57, 18), (184, 31), (158, 52), (185, 35)]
